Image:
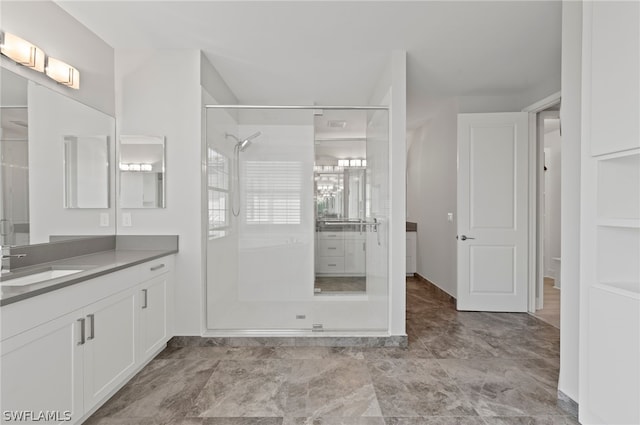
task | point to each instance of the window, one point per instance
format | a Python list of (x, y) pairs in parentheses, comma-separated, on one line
[(218, 194), (273, 192)]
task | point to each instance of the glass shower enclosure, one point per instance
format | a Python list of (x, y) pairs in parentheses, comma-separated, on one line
[(297, 209)]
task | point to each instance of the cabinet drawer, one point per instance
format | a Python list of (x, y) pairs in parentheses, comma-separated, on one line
[(330, 248), (157, 267), (331, 235), (330, 265)]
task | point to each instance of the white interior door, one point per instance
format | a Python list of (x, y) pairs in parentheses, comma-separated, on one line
[(493, 212)]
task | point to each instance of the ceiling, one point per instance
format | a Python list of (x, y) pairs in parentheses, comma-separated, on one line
[(333, 52)]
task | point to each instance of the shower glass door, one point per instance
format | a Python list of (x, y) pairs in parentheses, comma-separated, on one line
[(267, 219)]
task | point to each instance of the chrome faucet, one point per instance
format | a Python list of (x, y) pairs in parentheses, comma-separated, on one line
[(6, 258)]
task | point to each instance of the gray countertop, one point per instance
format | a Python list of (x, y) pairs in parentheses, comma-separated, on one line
[(93, 265)]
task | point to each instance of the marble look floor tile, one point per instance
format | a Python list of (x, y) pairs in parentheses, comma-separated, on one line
[(531, 420), (244, 388), (497, 387), (415, 350), (334, 421), (500, 365), (241, 421), (545, 372), (228, 421), (310, 353), (329, 388), (511, 348), (416, 387), (456, 342), (162, 390), (436, 420), (541, 347), (129, 421)]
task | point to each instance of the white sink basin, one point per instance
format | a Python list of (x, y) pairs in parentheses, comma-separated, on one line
[(39, 277)]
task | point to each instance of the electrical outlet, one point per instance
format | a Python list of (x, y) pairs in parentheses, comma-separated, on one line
[(450, 217), (104, 219), (126, 219)]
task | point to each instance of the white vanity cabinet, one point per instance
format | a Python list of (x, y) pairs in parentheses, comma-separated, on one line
[(354, 253), (109, 345), (340, 253), (42, 370), (154, 314), (69, 350)]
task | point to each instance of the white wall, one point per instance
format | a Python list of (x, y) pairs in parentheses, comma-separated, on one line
[(46, 25), (570, 117), (432, 194), (158, 93), (552, 189)]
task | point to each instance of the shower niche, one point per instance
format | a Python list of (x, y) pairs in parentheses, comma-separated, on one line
[(341, 200)]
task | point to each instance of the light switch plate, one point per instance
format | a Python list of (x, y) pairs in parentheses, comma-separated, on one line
[(126, 219), (104, 219), (450, 217)]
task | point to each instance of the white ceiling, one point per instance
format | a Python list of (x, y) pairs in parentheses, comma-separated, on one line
[(333, 52)]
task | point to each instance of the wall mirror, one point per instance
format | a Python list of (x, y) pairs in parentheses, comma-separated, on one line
[(142, 172), (86, 171), (39, 130)]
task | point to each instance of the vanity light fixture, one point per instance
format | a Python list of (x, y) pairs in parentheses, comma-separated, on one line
[(22, 52), (135, 167), (62, 73)]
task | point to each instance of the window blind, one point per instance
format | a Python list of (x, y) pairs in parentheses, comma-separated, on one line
[(273, 192)]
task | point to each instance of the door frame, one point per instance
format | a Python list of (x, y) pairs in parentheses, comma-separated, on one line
[(536, 151)]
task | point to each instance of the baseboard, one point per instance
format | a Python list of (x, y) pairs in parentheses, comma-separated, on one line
[(437, 292), (567, 404)]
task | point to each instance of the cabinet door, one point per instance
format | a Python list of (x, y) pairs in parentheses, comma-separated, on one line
[(42, 373), (354, 256), (110, 351), (153, 315)]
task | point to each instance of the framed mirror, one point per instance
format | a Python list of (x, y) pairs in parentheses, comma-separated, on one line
[(142, 172), (86, 171)]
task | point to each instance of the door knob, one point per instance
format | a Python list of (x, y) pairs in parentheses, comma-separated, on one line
[(464, 238)]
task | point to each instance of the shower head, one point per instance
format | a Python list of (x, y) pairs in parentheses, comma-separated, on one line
[(244, 144)]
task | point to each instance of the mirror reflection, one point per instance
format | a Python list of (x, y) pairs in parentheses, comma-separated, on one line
[(86, 171), (44, 191), (142, 170), (14, 207), (342, 201)]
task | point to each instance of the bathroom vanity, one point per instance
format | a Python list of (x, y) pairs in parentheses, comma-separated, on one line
[(70, 342)]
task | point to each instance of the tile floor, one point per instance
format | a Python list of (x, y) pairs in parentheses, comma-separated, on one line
[(341, 284), (551, 311), (459, 368)]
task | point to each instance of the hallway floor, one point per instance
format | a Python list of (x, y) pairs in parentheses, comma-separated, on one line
[(551, 311), (460, 368)]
